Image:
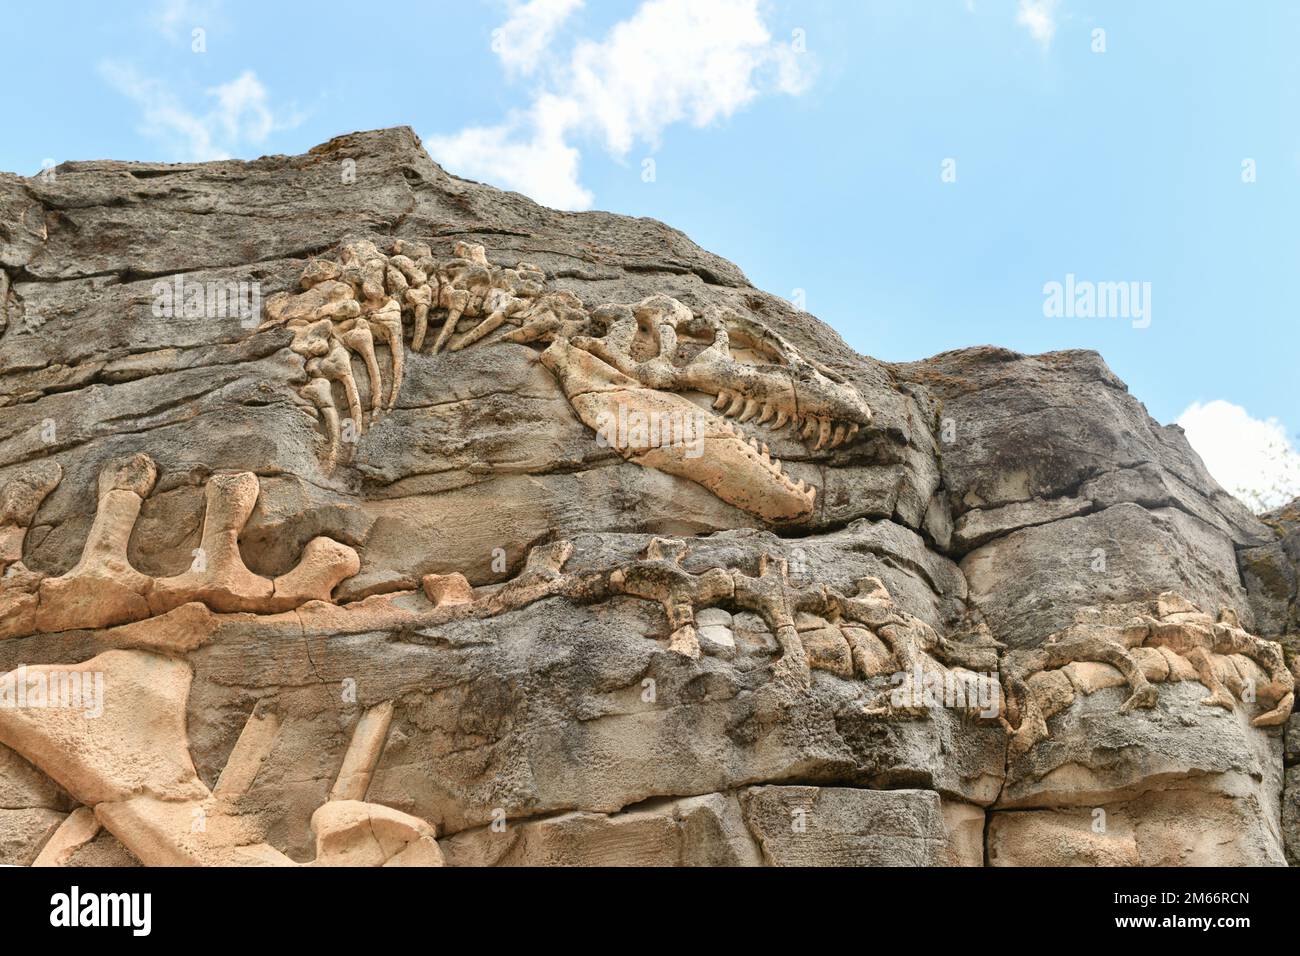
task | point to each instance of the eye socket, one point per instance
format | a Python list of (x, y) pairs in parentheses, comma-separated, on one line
[(645, 345)]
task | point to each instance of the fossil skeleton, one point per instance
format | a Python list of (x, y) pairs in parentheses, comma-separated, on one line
[(136, 778), (650, 356), (1139, 649)]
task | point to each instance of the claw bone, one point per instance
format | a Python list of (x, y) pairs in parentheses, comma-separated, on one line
[(337, 367), (387, 324), (319, 393), (360, 340)]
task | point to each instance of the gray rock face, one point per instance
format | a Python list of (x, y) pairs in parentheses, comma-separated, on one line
[(557, 650), (1270, 572), (808, 826), (1032, 581)]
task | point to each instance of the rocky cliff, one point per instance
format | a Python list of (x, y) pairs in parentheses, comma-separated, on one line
[(354, 513)]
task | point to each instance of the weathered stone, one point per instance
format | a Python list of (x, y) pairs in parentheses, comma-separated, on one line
[(1171, 828), (1035, 580), (964, 823), (696, 831), (382, 568), (24, 832), (837, 826), (981, 525), (1024, 427)]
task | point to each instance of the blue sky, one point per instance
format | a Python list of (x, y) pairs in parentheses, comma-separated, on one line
[(807, 142)]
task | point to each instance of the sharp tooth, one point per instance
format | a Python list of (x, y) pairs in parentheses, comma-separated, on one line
[(823, 432), (751, 409), (723, 397), (736, 405), (809, 426), (799, 486), (768, 412), (766, 451), (853, 430), (776, 466), (782, 419), (840, 431), (753, 443)]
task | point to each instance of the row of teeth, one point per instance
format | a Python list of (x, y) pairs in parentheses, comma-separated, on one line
[(773, 465), (829, 432)]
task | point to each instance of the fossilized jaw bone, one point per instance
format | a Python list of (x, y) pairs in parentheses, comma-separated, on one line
[(104, 590), (716, 455), (786, 390)]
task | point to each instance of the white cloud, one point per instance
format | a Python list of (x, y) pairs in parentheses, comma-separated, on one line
[(175, 19), (525, 36), (1251, 458), (543, 167), (672, 61), (240, 116), (242, 110), (1039, 18)]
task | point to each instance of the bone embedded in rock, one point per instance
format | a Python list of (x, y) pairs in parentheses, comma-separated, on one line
[(103, 589), (446, 590), (20, 498), (77, 829), (1178, 629), (387, 324), (337, 367), (783, 387), (363, 753), (324, 565), (136, 740), (321, 395), (421, 300), (218, 576), (361, 341), (250, 752), (455, 302), (352, 833)]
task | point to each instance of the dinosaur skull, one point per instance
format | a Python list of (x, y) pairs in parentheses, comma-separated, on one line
[(738, 470), (661, 343)]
